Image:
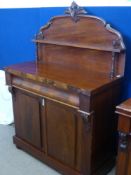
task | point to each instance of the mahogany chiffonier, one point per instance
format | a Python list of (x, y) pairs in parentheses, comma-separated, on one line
[(124, 147), (64, 101)]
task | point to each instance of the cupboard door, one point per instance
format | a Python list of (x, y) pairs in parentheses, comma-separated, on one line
[(27, 117), (61, 128)]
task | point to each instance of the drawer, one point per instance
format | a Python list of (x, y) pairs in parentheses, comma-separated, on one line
[(58, 95)]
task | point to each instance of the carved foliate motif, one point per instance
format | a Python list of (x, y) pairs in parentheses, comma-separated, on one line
[(40, 35), (116, 45), (123, 139), (86, 117), (12, 91), (74, 11)]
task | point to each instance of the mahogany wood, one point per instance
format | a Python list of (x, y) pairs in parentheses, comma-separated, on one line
[(84, 33), (124, 148), (26, 110), (64, 101)]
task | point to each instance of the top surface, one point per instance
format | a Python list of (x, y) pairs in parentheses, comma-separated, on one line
[(71, 76)]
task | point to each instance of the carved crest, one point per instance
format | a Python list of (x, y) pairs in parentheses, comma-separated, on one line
[(74, 11)]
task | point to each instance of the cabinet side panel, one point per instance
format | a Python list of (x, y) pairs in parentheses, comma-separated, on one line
[(105, 126)]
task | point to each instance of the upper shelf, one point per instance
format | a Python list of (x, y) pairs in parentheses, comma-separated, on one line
[(78, 45)]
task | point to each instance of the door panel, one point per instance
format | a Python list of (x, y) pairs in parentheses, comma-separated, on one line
[(61, 122), (27, 119)]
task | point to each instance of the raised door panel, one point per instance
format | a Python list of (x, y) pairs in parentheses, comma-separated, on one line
[(27, 117), (61, 127)]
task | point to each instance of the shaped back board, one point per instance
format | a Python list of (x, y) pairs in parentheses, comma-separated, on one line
[(81, 40)]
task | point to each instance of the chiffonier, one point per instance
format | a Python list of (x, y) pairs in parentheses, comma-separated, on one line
[(64, 101)]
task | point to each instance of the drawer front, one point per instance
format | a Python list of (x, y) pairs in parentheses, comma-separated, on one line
[(65, 97)]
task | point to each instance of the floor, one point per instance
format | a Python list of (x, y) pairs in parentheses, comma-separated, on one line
[(16, 162)]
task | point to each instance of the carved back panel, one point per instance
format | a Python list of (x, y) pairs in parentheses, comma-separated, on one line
[(81, 40)]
